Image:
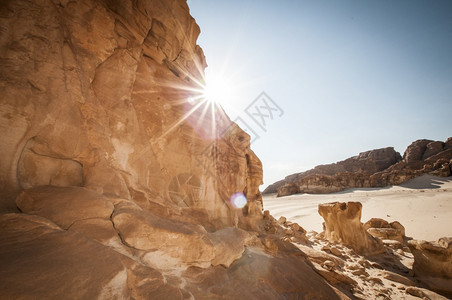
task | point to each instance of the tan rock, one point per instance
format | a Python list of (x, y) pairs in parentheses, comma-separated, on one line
[(416, 150), (397, 278), (343, 225), (336, 277), (36, 170), (229, 245), (256, 275), (414, 291), (433, 148), (360, 272), (100, 230), (282, 220), (395, 245), (433, 263), (51, 262), (400, 251), (335, 251), (399, 227), (432, 258), (288, 189), (183, 243), (376, 223), (64, 205), (383, 230), (328, 265)]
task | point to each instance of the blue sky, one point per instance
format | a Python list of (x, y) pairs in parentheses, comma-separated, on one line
[(350, 76)]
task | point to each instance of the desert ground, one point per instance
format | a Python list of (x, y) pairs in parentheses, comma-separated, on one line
[(423, 205)]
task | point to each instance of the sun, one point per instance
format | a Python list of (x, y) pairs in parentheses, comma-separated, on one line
[(217, 90)]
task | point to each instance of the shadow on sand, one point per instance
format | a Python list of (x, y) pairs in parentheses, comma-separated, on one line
[(426, 182)]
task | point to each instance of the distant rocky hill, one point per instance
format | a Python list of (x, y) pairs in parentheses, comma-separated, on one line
[(374, 168)]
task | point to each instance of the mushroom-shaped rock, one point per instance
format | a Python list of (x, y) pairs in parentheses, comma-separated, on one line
[(343, 225)]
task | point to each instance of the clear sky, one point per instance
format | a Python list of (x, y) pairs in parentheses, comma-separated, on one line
[(349, 76)]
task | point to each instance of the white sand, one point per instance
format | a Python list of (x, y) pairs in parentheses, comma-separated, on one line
[(423, 205)]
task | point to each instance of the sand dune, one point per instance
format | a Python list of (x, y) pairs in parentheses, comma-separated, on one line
[(423, 205)]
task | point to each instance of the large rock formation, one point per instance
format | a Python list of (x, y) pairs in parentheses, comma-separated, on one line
[(375, 168), (95, 95), (116, 176), (343, 225)]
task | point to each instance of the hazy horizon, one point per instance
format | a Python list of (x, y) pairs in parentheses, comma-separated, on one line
[(347, 76)]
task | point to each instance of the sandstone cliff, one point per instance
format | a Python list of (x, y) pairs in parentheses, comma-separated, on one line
[(375, 168), (116, 178), (94, 94)]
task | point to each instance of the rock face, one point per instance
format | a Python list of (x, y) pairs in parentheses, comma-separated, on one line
[(375, 168), (116, 176), (343, 225), (433, 263), (95, 95)]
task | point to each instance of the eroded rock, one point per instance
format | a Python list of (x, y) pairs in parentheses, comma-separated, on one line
[(433, 263), (343, 225)]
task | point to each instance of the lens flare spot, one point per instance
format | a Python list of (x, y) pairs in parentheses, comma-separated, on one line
[(238, 200)]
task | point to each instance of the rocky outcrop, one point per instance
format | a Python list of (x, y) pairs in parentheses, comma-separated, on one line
[(323, 184), (421, 157), (375, 168), (433, 263), (343, 225)]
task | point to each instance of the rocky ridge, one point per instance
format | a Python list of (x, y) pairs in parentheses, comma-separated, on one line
[(374, 168)]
